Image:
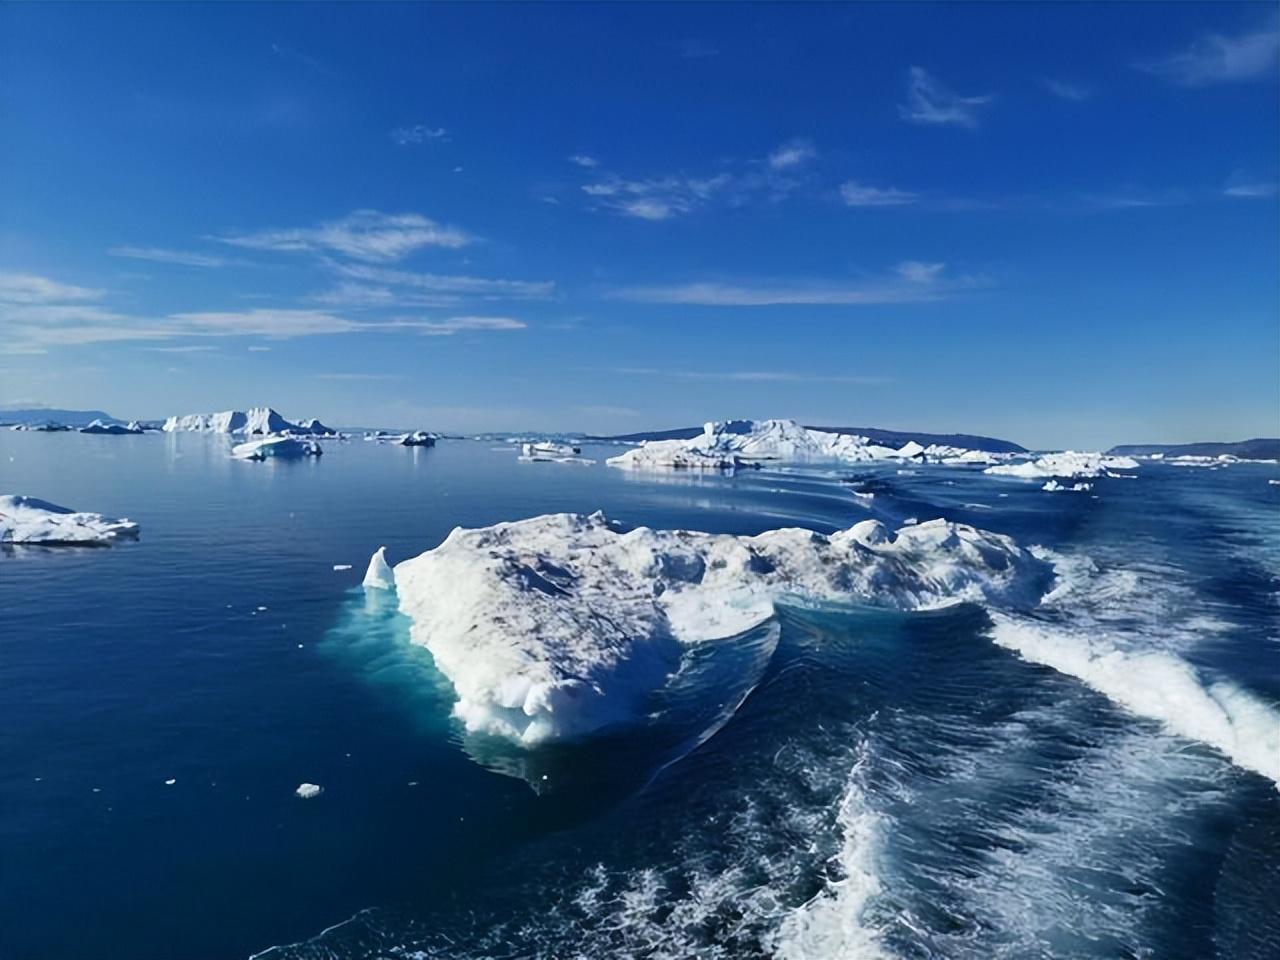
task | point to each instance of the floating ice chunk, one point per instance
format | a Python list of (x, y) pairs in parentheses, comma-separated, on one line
[(306, 791), (1066, 464), (276, 447), (559, 625), (342, 566), (112, 428), (32, 521), (1053, 486), (675, 454), (379, 576), (419, 438), (170, 782)]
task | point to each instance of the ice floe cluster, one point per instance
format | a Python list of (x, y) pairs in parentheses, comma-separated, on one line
[(559, 625), (728, 444), (256, 420), (1066, 464), (30, 521), (417, 438)]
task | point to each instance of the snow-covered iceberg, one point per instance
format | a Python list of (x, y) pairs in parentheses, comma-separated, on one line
[(1066, 464), (559, 625), (419, 438), (31, 521), (256, 420), (113, 429), (733, 443), (276, 447)]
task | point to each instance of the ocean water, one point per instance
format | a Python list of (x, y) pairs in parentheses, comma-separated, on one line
[(1093, 778)]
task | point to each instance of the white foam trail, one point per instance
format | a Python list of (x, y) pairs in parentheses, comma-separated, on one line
[(1157, 685), (830, 925)]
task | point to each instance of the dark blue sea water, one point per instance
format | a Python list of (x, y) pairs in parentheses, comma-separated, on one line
[(837, 783)]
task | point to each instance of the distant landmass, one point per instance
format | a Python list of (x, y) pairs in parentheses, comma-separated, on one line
[(1259, 448), (888, 438), (72, 418)]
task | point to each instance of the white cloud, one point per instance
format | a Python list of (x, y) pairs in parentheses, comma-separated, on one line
[(929, 101), (1068, 90), (1215, 58), (793, 153), (419, 133), (161, 255), (582, 160), (860, 195), (1242, 186), (362, 235), (748, 376), (659, 198), (258, 349), (186, 349), (30, 288), (483, 287), (360, 376), (911, 282)]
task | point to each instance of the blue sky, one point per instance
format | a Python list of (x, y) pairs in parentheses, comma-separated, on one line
[(1055, 223)]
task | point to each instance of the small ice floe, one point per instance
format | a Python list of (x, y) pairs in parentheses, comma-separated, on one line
[(379, 576), (1274, 483), (342, 566), (1054, 486), (31, 521), (276, 447), (170, 782), (552, 453), (307, 791)]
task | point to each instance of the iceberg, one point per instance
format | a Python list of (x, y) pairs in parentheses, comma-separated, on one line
[(558, 626), (419, 438), (113, 429), (379, 575), (272, 447), (47, 426), (31, 521), (256, 420), (1066, 464), (727, 444)]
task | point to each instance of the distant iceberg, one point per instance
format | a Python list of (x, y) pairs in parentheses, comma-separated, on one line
[(112, 428), (1066, 464), (276, 447), (31, 521), (419, 438), (47, 426), (727, 444), (558, 626), (256, 420)]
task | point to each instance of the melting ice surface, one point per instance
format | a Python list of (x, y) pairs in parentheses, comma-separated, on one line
[(1076, 761)]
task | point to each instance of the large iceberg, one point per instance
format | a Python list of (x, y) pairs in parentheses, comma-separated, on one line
[(31, 521), (276, 447), (734, 443), (559, 625), (1066, 464), (256, 420)]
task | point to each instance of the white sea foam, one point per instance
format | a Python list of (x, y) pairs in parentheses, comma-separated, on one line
[(1158, 685)]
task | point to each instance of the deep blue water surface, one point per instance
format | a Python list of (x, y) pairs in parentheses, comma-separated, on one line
[(838, 783)]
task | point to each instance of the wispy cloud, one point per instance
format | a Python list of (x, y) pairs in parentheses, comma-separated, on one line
[(359, 376), (30, 288), (482, 287), (793, 153), (419, 133), (1068, 90), (183, 349), (691, 48), (1217, 58), (656, 199), (929, 101), (911, 282), (748, 376), (161, 255), (367, 235), (1242, 186), (582, 160), (857, 194)]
